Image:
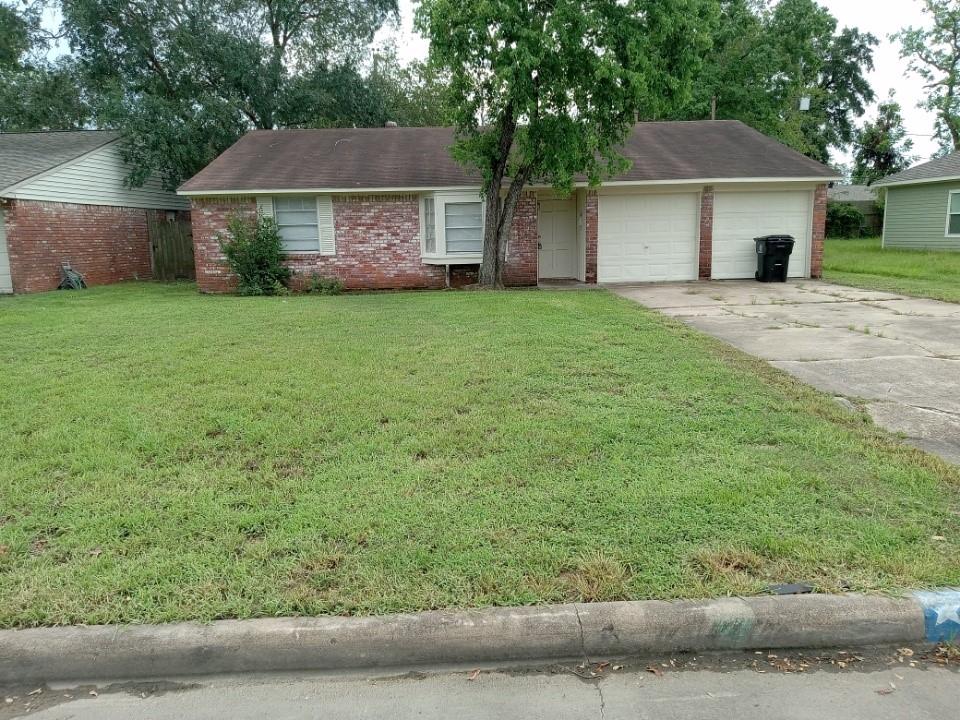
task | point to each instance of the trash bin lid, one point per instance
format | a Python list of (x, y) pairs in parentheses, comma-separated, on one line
[(774, 238)]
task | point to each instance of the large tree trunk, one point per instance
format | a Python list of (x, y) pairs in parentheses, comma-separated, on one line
[(491, 267), (496, 230)]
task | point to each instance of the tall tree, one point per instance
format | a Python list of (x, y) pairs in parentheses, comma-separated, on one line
[(765, 58), (882, 146), (934, 55), (547, 89), (185, 78), (415, 94), (35, 94)]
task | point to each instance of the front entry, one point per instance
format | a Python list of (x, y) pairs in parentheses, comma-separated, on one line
[(557, 241)]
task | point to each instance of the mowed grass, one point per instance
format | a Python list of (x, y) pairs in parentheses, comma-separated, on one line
[(864, 263), (166, 455)]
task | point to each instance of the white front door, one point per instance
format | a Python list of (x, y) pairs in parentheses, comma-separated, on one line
[(648, 237), (6, 284), (739, 217), (557, 243)]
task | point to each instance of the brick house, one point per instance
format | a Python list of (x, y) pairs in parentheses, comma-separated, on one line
[(389, 208), (63, 199)]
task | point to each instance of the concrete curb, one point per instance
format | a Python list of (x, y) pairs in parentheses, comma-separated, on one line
[(595, 630)]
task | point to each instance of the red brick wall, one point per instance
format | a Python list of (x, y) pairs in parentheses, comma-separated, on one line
[(210, 219), (591, 221), (105, 244), (706, 233), (377, 244), (819, 230), (521, 265)]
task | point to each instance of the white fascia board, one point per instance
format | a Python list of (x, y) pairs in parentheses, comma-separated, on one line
[(326, 191), (534, 186)]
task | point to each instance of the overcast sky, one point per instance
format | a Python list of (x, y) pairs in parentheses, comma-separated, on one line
[(880, 17)]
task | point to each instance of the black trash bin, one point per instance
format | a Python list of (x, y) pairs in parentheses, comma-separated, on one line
[(773, 257)]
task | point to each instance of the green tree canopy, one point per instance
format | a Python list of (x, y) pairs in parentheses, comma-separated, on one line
[(546, 90), (934, 55), (764, 58), (184, 78), (35, 94), (882, 146)]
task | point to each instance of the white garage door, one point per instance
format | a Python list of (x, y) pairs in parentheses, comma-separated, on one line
[(6, 286), (739, 217), (648, 238)]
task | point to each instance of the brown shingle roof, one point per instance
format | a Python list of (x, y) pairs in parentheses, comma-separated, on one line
[(371, 158), (946, 167)]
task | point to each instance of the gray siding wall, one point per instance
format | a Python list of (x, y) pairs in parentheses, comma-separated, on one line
[(98, 179), (917, 217)]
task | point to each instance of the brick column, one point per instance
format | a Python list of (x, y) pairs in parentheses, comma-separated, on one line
[(591, 227), (818, 231), (210, 217), (521, 262), (706, 233)]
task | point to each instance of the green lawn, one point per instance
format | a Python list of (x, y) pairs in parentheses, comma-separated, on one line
[(166, 455), (864, 263)]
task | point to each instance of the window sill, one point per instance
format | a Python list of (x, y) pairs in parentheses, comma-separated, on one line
[(307, 253), (457, 259)]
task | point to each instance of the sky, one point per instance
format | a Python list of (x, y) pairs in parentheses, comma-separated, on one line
[(880, 17)]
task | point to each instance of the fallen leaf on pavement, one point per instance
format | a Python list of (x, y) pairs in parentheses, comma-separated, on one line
[(474, 675), (655, 670), (884, 691)]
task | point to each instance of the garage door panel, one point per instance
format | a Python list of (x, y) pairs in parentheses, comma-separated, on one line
[(739, 217), (648, 238)]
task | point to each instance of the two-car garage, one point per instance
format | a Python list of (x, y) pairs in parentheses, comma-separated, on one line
[(654, 236)]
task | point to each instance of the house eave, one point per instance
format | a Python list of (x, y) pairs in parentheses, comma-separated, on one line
[(917, 181), (238, 192)]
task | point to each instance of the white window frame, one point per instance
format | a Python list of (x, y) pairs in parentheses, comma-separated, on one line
[(323, 212), (946, 231), (440, 201), (316, 220)]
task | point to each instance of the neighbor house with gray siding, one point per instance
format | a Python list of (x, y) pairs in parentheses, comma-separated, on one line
[(922, 209), (64, 199)]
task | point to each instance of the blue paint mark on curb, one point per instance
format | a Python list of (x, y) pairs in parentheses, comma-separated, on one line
[(941, 614)]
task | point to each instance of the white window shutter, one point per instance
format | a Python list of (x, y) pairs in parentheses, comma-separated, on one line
[(325, 225), (265, 206)]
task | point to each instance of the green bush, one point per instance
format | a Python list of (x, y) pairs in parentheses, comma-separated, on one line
[(255, 254), (844, 220), (320, 285)]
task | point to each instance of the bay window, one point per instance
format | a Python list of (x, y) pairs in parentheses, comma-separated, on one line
[(452, 227)]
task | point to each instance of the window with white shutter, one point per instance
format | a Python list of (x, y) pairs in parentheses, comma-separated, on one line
[(305, 222)]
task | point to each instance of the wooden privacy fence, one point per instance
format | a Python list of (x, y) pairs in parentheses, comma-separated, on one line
[(171, 248)]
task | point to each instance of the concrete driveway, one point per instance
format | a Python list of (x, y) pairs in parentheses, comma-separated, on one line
[(898, 357)]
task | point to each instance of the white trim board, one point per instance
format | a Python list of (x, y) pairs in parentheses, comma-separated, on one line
[(611, 184)]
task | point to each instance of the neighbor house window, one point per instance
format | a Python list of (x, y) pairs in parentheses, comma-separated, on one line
[(452, 225), (953, 213), (297, 221)]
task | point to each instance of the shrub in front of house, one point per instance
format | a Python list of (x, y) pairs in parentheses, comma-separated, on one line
[(254, 252), (319, 285), (844, 220)]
